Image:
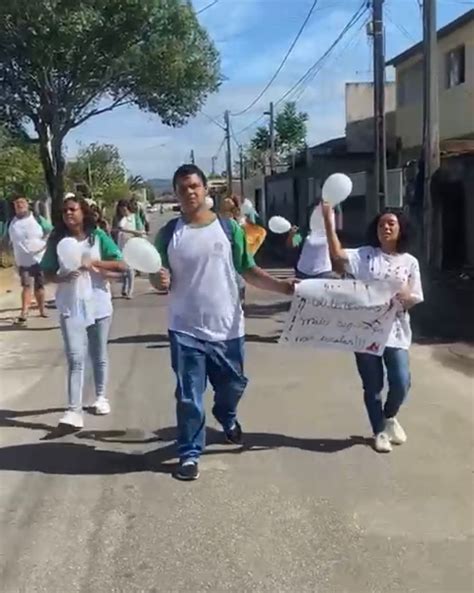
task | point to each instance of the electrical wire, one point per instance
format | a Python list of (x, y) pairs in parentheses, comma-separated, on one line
[(313, 70), (207, 7), (401, 28), (283, 62)]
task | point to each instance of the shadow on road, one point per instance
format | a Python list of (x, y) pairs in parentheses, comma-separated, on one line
[(15, 419), (71, 458), (262, 311), (11, 327), (161, 341)]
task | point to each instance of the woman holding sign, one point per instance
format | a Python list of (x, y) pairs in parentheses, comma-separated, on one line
[(79, 257), (385, 258)]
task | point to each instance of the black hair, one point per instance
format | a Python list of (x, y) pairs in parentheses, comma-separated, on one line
[(60, 229), (404, 238), (186, 171)]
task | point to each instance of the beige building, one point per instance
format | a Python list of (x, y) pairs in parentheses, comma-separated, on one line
[(456, 86)]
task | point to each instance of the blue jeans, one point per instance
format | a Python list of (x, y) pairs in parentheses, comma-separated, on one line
[(128, 283), (78, 341), (194, 361), (371, 372)]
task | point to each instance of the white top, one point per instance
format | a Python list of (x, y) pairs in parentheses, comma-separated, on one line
[(89, 297), (314, 258), (204, 296), (371, 263), (22, 231), (128, 223)]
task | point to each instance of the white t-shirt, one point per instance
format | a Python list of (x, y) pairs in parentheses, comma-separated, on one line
[(22, 231), (204, 296), (314, 258), (127, 223), (371, 263), (89, 297)]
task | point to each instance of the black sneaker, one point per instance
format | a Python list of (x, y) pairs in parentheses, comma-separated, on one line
[(187, 471), (234, 434)]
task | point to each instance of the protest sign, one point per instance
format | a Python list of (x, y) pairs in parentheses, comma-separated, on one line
[(341, 315)]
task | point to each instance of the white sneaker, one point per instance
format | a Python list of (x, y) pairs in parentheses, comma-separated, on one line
[(102, 406), (382, 443), (73, 419), (395, 432)]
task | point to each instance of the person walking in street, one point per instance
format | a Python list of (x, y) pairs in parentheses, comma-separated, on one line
[(202, 255), (127, 225), (84, 303), (28, 234), (385, 257), (311, 254)]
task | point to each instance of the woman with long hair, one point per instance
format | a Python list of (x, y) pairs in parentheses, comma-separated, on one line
[(84, 303), (127, 224), (384, 257)]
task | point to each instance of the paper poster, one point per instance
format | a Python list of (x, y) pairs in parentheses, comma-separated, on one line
[(349, 315)]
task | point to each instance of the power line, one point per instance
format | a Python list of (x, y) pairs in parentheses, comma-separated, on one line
[(400, 27), (213, 120), (283, 62), (207, 7), (315, 68), (310, 74)]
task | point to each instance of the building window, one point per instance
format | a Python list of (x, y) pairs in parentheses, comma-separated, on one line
[(455, 67)]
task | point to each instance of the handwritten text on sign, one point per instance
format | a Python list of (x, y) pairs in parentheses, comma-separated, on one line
[(341, 315)]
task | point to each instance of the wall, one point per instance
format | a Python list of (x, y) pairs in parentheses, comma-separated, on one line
[(360, 100), (294, 193), (456, 104), (254, 190)]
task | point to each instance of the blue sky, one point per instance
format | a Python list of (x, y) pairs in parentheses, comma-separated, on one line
[(252, 37)]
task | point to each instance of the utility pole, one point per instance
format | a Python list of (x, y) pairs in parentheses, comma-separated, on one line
[(271, 113), (241, 164), (229, 153), (380, 140), (431, 224), (193, 160), (213, 165)]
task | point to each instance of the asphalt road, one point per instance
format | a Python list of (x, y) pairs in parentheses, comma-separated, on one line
[(305, 506)]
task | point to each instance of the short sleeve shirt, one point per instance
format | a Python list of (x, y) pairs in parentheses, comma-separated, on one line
[(401, 269), (204, 296)]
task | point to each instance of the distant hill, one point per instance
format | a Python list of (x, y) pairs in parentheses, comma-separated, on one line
[(161, 185)]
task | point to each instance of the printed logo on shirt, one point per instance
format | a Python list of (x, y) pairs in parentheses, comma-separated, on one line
[(218, 248)]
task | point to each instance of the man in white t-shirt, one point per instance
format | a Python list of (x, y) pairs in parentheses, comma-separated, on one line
[(28, 236), (202, 255)]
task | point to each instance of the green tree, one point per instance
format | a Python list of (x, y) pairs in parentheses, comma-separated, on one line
[(98, 170), (261, 139), (290, 129), (20, 167), (135, 182), (63, 62)]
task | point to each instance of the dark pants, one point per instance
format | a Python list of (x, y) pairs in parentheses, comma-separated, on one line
[(371, 371), (323, 275), (194, 361)]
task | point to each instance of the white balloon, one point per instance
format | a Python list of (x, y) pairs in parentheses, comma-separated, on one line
[(35, 245), (336, 188), (209, 202), (279, 225), (70, 254), (139, 254)]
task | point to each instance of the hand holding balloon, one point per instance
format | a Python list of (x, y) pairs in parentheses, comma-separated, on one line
[(279, 225), (336, 188), (139, 254)]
